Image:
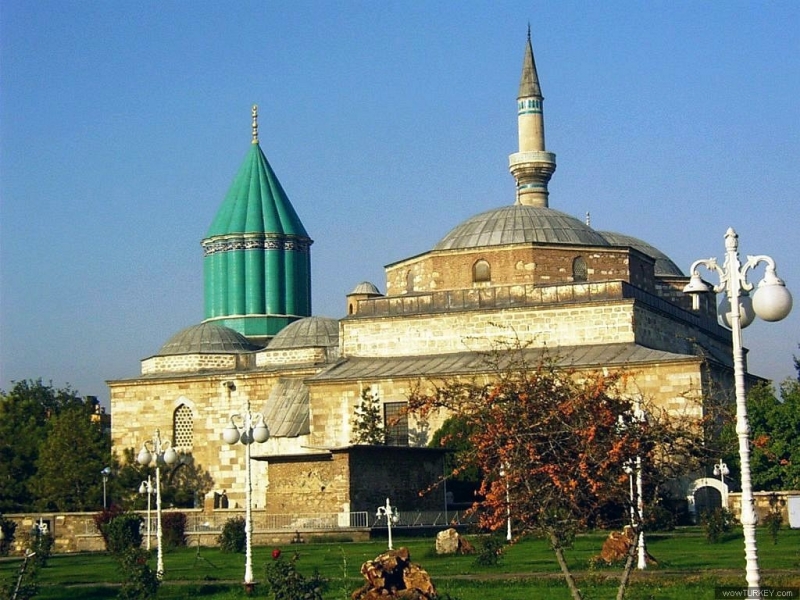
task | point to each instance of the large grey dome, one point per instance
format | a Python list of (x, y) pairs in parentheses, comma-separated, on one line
[(663, 266), (207, 338), (308, 332), (519, 224)]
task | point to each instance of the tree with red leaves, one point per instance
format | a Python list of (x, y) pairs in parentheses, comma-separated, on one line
[(553, 442)]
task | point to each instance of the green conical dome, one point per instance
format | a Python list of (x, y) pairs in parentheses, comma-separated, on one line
[(257, 258), (256, 203)]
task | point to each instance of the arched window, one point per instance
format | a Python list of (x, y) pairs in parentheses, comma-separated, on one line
[(183, 427), (409, 281), (481, 271), (579, 270)]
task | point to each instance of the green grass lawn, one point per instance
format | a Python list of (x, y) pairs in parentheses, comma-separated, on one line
[(688, 567)]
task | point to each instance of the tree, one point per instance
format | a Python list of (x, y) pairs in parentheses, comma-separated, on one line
[(554, 442), (24, 414), (71, 457), (367, 424), (774, 431)]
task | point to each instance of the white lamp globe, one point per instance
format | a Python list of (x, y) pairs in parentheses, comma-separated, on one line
[(144, 457), (170, 456), (260, 433), (230, 434), (746, 312), (772, 301)]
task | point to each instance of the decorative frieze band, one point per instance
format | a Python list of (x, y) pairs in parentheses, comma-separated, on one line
[(213, 246)]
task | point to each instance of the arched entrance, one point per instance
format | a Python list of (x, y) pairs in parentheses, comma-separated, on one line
[(706, 494)]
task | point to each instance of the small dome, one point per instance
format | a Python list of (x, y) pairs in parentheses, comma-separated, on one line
[(207, 338), (519, 224), (308, 332), (365, 287), (664, 265)]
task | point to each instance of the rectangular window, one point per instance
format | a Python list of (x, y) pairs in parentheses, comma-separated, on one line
[(395, 422)]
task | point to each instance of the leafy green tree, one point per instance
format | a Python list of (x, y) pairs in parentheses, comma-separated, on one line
[(774, 430), (368, 424), (24, 415), (70, 459)]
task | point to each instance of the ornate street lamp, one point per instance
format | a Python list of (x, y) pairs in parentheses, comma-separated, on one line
[(146, 487), (162, 453), (392, 516), (772, 302), (252, 429), (720, 470)]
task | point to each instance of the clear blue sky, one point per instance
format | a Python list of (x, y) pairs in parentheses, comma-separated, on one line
[(122, 125)]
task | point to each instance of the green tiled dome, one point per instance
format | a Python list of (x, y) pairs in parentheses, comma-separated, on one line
[(257, 254), (256, 203)]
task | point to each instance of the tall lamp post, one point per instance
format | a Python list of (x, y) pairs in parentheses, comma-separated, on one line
[(146, 487), (105, 473), (772, 302), (638, 415), (252, 429), (720, 470), (162, 453), (504, 474)]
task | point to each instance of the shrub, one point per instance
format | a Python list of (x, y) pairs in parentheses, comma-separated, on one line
[(122, 533), (232, 538), (286, 583), (39, 543), (716, 523), (104, 517), (490, 552), (773, 522), (659, 518), (8, 528), (139, 581), (173, 528)]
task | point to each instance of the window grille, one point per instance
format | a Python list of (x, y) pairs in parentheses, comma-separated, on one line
[(395, 422), (579, 270), (183, 427)]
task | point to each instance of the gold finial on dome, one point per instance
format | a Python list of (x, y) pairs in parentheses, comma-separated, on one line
[(255, 123)]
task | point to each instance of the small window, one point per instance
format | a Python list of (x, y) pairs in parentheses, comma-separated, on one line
[(409, 281), (395, 423), (579, 270), (481, 271), (183, 427)]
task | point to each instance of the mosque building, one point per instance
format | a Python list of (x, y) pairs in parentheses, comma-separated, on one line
[(523, 271)]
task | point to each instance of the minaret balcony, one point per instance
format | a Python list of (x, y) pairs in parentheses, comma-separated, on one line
[(536, 156)]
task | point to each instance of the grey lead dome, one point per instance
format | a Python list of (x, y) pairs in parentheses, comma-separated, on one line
[(519, 224), (308, 332), (207, 338)]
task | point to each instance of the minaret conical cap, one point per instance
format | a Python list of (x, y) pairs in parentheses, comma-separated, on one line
[(529, 84)]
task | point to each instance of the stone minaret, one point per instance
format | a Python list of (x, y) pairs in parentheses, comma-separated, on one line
[(532, 166)]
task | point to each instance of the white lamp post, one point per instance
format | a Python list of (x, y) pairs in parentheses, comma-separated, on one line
[(162, 453), (392, 516), (772, 302), (637, 513), (105, 473), (720, 470), (504, 474), (247, 433), (147, 488)]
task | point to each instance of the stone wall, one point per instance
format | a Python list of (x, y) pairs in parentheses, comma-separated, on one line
[(140, 407), (577, 324), (517, 264)]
